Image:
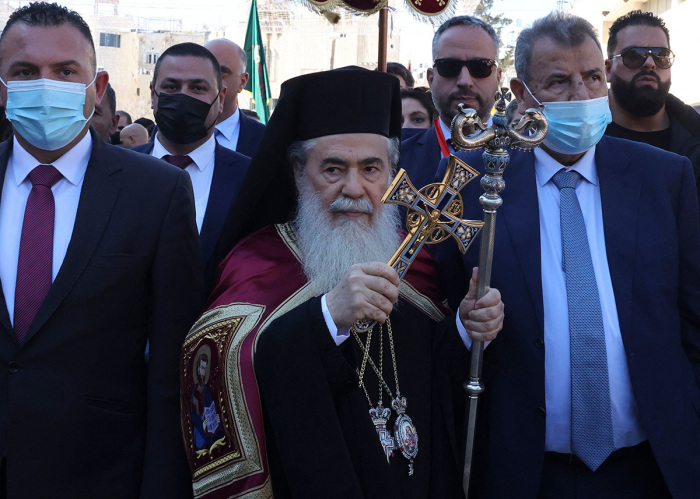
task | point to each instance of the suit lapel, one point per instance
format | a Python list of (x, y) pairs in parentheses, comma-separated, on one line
[(243, 136), (5, 149), (620, 195), (224, 187), (423, 162), (145, 149), (520, 221), (97, 197), (246, 136)]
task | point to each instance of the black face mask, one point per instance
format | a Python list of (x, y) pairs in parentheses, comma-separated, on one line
[(181, 118)]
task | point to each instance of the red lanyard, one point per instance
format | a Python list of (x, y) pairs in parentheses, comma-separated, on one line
[(441, 138)]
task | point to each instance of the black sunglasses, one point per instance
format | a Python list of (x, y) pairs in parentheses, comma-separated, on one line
[(635, 57), (448, 67)]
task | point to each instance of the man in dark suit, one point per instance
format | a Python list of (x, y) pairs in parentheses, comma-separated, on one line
[(99, 256), (187, 97), (465, 55), (234, 129), (594, 389)]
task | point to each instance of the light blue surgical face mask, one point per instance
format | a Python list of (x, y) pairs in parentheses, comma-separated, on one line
[(46, 113), (575, 126)]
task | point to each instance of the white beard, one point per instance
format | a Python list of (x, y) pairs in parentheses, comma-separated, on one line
[(329, 247)]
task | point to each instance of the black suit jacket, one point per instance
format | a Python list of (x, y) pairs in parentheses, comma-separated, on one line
[(229, 169), (249, 135), (81, 414), (420, 157)]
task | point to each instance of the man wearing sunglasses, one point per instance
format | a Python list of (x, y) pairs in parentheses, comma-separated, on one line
[(592, 384), (639, 71), (465, 71)]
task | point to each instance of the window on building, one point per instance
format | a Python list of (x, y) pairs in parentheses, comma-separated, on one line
[(110, 40), (152, 57)]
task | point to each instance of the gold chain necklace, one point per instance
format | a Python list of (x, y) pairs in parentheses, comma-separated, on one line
[(405, 436)]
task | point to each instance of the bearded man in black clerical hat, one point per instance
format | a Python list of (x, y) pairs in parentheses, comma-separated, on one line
[(325, 412)]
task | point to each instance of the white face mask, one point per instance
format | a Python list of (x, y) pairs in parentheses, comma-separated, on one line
[(574, 126), (47, 113)]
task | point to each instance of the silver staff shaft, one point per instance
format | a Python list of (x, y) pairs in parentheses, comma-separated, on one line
[(468, 132), (474, 387)]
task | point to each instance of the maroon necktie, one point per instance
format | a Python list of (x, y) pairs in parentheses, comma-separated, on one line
[(34, 267), (181, 162)]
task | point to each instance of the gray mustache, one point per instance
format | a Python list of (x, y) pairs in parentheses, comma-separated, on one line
[(344, 203)]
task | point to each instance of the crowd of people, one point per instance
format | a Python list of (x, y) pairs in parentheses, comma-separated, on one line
[(181, 298)]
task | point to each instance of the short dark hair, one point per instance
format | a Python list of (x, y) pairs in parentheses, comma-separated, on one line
[(189, 49), (464, 21), (398, 69), (634, 18), (423, 96), (111, 97), (561, 27), (250, 113), (126, 115), (50, 14)]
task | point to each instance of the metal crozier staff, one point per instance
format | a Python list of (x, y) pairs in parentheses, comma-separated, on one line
[(468, 132)]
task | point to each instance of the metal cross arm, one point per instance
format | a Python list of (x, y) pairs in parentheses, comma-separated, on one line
[(434, 214)]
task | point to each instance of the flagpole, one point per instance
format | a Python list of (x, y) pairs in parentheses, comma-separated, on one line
[(258, 84), (383, 34)]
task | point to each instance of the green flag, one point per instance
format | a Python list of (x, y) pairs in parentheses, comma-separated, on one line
[(258, 84)]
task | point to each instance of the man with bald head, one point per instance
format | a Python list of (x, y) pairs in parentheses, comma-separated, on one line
[(133, 135), (234, 130)]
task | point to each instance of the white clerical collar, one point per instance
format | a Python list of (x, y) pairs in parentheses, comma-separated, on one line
[(202, 157)]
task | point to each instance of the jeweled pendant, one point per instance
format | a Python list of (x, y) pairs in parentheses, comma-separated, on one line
[(405, 432), (380, 415)]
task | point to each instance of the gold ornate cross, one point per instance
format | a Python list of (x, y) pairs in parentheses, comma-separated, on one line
[(434, 214)]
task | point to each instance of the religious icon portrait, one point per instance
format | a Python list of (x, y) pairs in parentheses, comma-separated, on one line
[(206, 423)]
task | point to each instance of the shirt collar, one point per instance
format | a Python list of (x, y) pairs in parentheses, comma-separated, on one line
[(72, 165), (229, 125), (201, 157), (546, 166)]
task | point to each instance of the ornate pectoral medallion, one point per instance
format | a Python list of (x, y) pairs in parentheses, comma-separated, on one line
[(380, 416), (405, 432)]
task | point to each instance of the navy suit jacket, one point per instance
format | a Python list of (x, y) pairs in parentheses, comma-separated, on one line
[(420, 157), (249, 135), (229, 169), (652, 242), (81, 414)]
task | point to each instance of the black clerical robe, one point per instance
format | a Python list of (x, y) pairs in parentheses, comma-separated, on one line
[(321, 441)]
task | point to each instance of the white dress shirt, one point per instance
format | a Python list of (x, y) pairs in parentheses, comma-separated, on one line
[(627, 430), (201, 172), (228, 130), (15, 191), (339, 336)]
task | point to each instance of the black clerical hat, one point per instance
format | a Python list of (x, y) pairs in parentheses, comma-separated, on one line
[(345, 100)]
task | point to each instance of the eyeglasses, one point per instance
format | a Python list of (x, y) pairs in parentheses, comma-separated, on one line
[(448, 67), (635, 57)]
